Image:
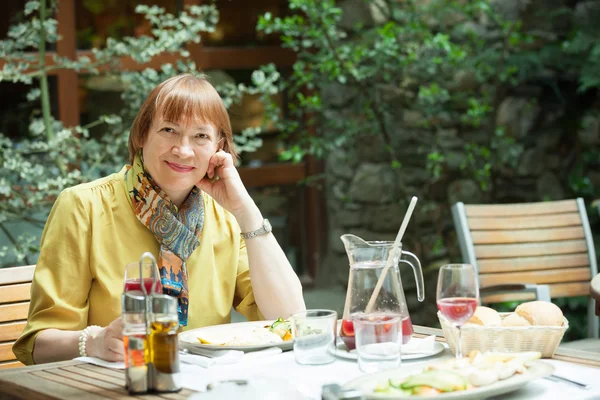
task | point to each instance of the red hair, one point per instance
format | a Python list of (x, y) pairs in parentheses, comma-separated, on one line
[(181, 98)]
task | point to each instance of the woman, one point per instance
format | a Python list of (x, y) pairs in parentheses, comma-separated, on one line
[(182, 199)]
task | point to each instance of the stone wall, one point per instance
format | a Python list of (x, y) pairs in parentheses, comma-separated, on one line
[(369, 198)]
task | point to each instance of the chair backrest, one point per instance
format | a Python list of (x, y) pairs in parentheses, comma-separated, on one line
[(530, 243), (15, 284)]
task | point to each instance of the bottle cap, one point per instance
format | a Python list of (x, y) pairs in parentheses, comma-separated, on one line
[(133, 302), (164, 304)]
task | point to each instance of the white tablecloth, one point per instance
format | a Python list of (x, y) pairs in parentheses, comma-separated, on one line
[(309, 380)]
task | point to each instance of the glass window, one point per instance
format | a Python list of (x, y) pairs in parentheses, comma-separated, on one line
[(16, 111), (12, 12)]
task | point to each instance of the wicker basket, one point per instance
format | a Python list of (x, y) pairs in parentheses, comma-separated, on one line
[(544, 339)]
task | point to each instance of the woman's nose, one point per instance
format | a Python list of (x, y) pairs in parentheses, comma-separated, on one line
[(183, 149)]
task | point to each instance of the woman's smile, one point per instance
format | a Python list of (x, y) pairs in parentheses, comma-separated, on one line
[(179, 167)]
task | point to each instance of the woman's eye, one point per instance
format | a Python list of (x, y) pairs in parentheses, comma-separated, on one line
[(202, 136), (168, 130)]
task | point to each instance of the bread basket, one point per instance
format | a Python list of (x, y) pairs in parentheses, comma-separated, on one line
[(544, 339)]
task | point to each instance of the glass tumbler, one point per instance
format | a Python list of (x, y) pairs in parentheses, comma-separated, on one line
[(314, 336), (378, 341)]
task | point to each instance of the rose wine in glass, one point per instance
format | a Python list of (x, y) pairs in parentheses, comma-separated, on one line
[(133, 280), (457, 296)]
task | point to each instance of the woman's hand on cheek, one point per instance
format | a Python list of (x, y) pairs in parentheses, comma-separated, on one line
[(223, 183)]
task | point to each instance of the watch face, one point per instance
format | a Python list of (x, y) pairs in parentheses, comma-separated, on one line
[(267, 225)]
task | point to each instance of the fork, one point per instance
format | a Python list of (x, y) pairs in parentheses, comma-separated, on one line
[(556, 378)]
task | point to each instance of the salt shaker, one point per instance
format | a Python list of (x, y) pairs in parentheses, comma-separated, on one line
[(135, 342), (165, 375)]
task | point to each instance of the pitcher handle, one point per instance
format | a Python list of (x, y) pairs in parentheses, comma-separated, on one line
[(418, 274)]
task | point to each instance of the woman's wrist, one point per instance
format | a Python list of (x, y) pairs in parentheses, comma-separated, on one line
[(87, 341), (250, 219)]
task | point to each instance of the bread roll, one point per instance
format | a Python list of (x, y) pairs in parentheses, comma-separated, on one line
[(485, 316), (514, 319), (542, 313)]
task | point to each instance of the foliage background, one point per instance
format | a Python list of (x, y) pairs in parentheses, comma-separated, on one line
[(446, 93)]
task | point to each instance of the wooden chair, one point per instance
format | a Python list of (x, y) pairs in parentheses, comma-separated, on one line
[(15, 284), (530, 250)]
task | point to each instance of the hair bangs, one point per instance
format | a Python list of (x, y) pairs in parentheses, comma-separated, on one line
[(188, 100)]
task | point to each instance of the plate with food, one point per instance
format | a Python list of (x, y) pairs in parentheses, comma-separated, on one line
[(478, 376), (245, 336)]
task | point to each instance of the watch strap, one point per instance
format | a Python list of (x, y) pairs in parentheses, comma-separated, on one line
[(265, 228)]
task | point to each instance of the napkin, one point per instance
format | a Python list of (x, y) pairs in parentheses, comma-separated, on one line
[(224, 356), (419, 345), (102, 363)]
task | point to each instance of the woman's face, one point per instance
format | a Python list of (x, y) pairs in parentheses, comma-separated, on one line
[(176, 153)]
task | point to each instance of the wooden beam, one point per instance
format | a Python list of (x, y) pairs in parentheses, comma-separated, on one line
[(68, 87), (207, 58), (240, 57), (272, 174)]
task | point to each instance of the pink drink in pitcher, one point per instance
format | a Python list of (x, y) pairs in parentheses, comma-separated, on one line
[(347, 331)]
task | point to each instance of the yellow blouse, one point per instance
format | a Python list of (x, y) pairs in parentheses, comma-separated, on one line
[(92, 233)]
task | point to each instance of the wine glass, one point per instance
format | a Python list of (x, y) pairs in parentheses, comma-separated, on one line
[(133, 281), (457, 296)]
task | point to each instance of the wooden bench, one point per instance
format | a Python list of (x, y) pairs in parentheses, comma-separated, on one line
[(15, 285), (529, 250)]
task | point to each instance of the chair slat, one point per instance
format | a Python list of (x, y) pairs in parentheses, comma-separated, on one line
[(14, 312), (533, 263), (13, 293), (527, 235), (11, 330), (529, 249), (521, 222), (526, 209), (540, 277), (556, 290), (6, 353), (16, 274), (11, 364)]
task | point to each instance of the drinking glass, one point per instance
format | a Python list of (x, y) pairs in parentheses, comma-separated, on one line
[(132, 279), (378, 341), (314, 336), (457, 296)]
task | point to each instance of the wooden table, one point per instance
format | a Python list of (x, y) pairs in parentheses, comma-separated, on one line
[(595, 292), (82, 381), (71, 380)]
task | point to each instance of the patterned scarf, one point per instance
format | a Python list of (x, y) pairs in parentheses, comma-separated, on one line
[(177, 231)]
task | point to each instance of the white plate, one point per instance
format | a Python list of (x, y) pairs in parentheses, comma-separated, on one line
[(189, 339), (343, 352), (367, 383)]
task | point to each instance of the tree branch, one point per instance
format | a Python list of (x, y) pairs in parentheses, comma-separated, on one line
[(45, 95), (365, 91)]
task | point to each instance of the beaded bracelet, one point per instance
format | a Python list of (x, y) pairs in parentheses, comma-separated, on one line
[(83, 339)]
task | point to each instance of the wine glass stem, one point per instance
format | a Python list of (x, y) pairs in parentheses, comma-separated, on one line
[(459, 346)]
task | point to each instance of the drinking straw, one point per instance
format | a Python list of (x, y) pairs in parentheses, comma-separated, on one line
[(390, 259)]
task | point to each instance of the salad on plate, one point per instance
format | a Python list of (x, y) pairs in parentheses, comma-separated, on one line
[(476, 370)]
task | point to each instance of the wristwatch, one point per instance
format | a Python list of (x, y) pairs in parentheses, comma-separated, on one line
[(265, 228)]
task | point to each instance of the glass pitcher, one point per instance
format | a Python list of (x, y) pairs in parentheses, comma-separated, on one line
[(367, 262)]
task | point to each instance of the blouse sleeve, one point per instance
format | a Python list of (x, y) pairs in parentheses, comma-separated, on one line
[(62, 278), (244, 301)]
